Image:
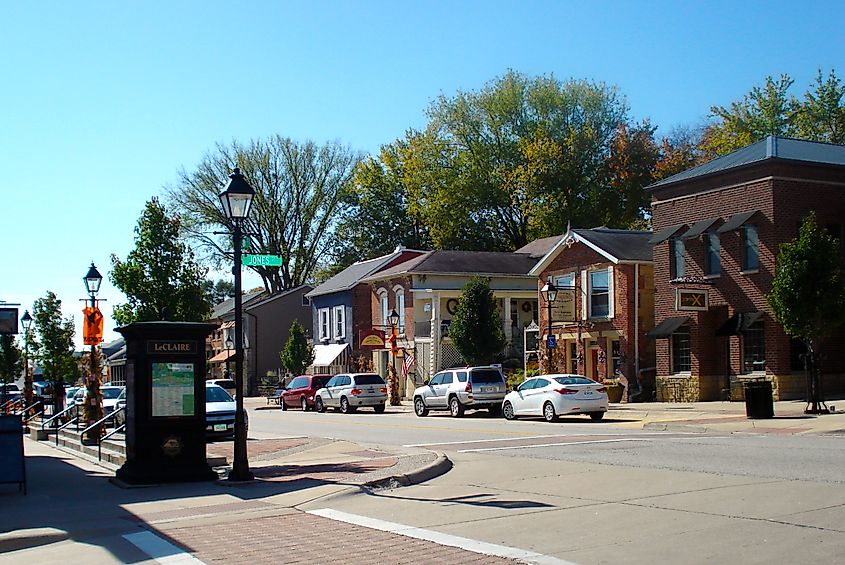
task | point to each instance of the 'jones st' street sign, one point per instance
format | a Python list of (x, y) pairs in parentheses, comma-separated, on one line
[(261, 260)]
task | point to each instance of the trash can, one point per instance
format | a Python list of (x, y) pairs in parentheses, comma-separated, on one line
[(758, 399)]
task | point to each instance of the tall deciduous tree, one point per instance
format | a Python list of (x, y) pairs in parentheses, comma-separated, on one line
[(297, 353), (160, 277), (808, 295), (300, 195), (821, 116), (520, 158), (55, 344), (10, 360), (476, 327)]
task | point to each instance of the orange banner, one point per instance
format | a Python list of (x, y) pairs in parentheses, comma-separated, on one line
[(92, 326)]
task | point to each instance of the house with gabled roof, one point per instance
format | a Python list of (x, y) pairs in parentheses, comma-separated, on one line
[(604, 305), (266, 325), (717, 232), (341, 312), (424, 291)]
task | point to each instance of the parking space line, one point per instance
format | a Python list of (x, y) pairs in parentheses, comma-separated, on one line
[(161, 550), (440, 538)]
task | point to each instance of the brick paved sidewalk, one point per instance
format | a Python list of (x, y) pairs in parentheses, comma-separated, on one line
[(304, 538)]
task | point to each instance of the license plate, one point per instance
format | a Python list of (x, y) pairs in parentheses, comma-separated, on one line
[(489, 389), (588, 392), (220, 427), (370, 390)]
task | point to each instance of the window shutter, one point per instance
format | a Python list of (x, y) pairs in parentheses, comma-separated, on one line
[(585, 295), (611, 295)]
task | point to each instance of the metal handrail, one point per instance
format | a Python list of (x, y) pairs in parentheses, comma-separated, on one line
[(100, 421), (60, 414), (29, 418), (63, 426), (120, 428), (10, 405)]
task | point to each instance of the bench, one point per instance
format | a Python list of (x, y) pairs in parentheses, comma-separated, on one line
[(276, 397)]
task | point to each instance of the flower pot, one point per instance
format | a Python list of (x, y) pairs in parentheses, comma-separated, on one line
[(614, 392)]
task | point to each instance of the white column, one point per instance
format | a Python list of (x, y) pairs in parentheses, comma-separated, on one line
[(434, 354)]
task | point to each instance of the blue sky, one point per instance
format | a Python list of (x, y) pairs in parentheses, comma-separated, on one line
[(104, 102)]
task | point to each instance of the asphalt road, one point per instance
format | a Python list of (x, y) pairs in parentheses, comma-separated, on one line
[(574, 439)]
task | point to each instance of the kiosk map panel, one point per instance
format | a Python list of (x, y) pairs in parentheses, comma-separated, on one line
[(173, 389)]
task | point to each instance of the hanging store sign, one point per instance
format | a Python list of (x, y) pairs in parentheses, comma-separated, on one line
[(688, 299), (563, 308)]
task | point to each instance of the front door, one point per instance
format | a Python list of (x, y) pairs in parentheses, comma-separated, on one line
[(593, 369)]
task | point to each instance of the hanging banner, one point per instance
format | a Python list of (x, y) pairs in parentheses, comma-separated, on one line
[(92, 326)]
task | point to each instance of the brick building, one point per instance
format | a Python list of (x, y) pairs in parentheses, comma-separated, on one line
[(718, 228), (604, 306)]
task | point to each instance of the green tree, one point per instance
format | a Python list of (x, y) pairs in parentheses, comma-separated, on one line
[(300, 196), (10, 360), (297, 353), (55, 345), (521, 158), (160, 277), (808, 296), (821, 116), (476, 327), (218, 291)]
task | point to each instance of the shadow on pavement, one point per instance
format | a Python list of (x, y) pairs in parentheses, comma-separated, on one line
[(469, 500)]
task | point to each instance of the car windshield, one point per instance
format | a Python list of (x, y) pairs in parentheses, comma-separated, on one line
[(486, 376), (369, 380), (111, 393), (575, 381), (216, 394), (227, 383)]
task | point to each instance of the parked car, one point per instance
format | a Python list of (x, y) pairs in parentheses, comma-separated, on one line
[(120, 415), (302, 390), (228, 385), (460, 389), (220, 413), (70, 392), (551, 396), (110, 394), (349, 391), (12, 392)]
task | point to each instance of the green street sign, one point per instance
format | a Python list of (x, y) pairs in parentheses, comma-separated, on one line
[(261, 260)]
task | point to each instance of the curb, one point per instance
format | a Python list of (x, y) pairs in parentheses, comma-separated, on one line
[(439, 466)]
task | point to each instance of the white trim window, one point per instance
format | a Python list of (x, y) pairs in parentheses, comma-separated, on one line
[(382, 296), (601, 293), (323, 325), (399, 295), (565, 282), (339, 322)]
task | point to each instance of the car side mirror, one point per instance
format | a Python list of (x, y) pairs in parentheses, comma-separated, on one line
[(426, 382)]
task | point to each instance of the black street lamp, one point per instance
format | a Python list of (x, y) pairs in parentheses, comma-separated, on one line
[(26, 321), (93, 279), (549, 292), (237, 202), (393, 320)]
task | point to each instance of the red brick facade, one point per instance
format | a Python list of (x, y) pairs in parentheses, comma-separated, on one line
[(782, 193), (586, 345)]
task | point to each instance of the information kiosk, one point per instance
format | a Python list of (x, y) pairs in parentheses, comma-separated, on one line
[(165, 403)]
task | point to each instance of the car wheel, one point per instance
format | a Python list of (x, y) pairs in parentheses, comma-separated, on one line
[(379, 408), (344, 405), (419, 407), (304, 404), (318, 405), (495, 410), (282, 404), (456, 409), (549, 412), (507, 410), (596, 416)]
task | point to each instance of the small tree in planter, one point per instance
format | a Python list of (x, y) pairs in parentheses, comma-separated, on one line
[(476, 328), (808, 298), (297, 353)]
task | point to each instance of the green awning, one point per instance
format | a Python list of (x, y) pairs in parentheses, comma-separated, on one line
[(739, 323), (736, 221), (699, 228), (667, 327), (666, 233)]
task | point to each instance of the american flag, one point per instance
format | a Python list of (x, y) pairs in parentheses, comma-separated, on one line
[(407, 364)]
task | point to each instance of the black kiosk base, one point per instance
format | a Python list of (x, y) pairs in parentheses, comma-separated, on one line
[(165, 403)]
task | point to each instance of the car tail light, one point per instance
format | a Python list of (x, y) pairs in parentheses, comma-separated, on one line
[(356, 391), (468, 388), (565, 390), (383, 390), (601, 389)]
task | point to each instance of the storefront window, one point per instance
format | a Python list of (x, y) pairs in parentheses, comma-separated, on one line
[(616, 359), (573, 358), (754, 348), (681, 360)]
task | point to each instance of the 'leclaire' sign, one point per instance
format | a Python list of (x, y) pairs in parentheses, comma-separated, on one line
[(170, 347)]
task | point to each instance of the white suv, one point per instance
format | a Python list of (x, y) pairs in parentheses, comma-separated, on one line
[(460, 389), (349, 391)]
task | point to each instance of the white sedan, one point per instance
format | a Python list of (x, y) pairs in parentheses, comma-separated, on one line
[(551, 396)]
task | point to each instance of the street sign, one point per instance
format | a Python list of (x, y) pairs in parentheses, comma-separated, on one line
[(551, 342), (261, 260)]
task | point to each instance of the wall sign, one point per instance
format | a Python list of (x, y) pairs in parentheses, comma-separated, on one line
[(563, 308), (170, 347), (688, 299)]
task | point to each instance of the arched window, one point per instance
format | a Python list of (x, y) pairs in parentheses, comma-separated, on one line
[(382, 296)]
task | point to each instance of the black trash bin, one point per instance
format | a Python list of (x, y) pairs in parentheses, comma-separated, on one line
[(758, 399)]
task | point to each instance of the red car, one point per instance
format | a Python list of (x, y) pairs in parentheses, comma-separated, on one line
[(300, 391)]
